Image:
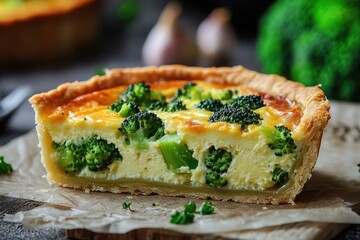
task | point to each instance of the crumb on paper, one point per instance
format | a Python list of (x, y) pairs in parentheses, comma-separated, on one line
[(129, 197), (87, 190), (264, 208)]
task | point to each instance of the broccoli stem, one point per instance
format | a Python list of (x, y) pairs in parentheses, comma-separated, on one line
[(176, 155)]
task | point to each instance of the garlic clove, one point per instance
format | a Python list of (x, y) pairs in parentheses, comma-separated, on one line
[(216, 38), (166, 42)]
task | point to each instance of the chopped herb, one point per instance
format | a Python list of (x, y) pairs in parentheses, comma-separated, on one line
[(155, 204), (182, 218), (127, 206), (5, 168), (206, 208), (190, 208), (359, 166)]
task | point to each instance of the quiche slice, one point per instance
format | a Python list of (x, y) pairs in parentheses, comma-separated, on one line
[(219, 133)]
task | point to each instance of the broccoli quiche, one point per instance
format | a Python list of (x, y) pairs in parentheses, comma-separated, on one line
[(219, 133)]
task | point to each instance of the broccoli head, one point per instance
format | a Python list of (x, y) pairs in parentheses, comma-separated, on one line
[(280, 140), (157, 105), (139, 93), (315, 43), (5, 168), (99, 153), (222, 94), (176, 105), (280, 176), (192, 91), (125, 109), (93, 152), (142, 128), (210, 104), (217, 162), (251, 101), (241, 116)]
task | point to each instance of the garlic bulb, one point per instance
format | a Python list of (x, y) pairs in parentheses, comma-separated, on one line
[(216, 38), (166, 42)]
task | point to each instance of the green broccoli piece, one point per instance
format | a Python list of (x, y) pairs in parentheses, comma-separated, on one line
[(125, 109), (252, 102), (139, 93), (222, 94), (315, 43), (99, 154), (192, 91), (176, 105), (142, 128), (176, 154), (241, 116), (71, 156), (157, 105), (280, 140), (206, 208), (280, 176), (210, 104), (93, 152), (5, 168), (217, 162)]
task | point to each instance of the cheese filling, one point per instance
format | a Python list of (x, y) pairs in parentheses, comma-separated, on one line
[(254, 164)]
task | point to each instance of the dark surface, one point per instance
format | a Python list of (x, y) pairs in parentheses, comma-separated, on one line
[(119, 45)]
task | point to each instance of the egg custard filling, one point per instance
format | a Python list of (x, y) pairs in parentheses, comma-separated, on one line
[(182, 131)]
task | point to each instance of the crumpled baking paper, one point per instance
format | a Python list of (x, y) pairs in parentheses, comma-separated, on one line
[(331, 196)]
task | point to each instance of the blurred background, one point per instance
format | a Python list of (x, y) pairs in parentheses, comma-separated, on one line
[(44, 43)]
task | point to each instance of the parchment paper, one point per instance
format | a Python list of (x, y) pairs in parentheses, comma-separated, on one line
[(332, 194)]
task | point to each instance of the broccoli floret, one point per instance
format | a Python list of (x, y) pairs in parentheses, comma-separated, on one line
[(5, 168), (157, 105), (176, 154), (210, 104), (251, 101), (138, 93), (125, 109), (241, 116), (280, 176), (222, 94), (142, 128), (280, 140), (192, 91), (93, 152), (71, 156), (99, 154), (217, 162), (317, 42), (176, 105), (141, 94)]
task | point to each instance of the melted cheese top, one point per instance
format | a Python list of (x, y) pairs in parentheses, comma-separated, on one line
[(94, 107)]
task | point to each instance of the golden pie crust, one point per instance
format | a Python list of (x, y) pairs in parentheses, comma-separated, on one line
[(312, 100)]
